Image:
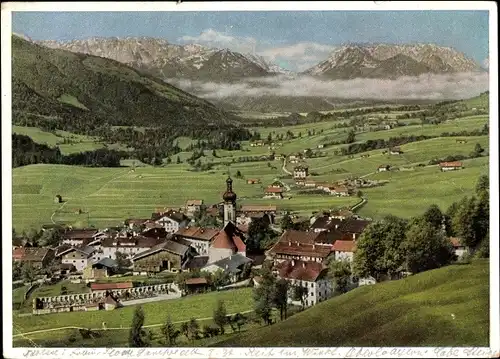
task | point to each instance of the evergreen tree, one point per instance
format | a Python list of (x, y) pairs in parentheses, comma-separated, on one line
[(138, 337), (169, 332), (281, 297), (220, 315), (264, 296)]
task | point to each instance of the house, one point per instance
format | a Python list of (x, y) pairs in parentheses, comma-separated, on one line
[(383, 168), (36, 257), (257, 143), (353, 227), (300, 171), (169, 255), (171, 220), (227, 242), (80, 257), (64, 269), (344, 250), (130, 246), (325, 223), (100, 269), (310, 275), (459, 248), (273, 192), (158, 233), (321, 146), (310, 183), (337, 190), (192, 206), (252, 212), (395, 151), (462, 141), (233, 265), (299, 245), (197, 285), (450, 166), (195, 263), (79, 237), (135, 222), (253, 181), (200, 238), (341, 214)]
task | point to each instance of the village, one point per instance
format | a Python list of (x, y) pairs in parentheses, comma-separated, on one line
[(215, 257)]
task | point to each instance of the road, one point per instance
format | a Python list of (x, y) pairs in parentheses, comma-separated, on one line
[(284, 167)]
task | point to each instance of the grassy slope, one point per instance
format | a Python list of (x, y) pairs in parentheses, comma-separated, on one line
[(195, 306), (416, 311)]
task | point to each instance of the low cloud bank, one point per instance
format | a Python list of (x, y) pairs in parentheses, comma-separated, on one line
[(428, 86)]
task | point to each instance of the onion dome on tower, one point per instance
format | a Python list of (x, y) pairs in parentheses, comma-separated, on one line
[(229, 195)]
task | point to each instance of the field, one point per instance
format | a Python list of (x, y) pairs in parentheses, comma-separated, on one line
[(194, 306), (442, 307), (107, 196)]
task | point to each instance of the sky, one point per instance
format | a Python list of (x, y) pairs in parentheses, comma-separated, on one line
[(295, 40)]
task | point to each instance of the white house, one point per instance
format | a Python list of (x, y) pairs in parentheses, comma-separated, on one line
[(309, 275), (172, 221), (79, 257), (460, 249), (233, 265), (300, 172), (126, 245), (344, 250), (226, 243), (200, 238), (193, 205), (383, 168)]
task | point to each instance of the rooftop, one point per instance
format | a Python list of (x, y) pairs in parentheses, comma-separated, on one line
[(199, 233), (309, 271)]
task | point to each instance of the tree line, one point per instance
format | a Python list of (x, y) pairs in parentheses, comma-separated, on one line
[(26, 152)]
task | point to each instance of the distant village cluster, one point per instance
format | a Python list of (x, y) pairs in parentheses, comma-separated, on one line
[(168, 242)]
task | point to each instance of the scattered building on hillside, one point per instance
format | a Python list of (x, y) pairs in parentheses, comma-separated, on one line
[(136, 222), (35, 256), (309, 183), (100, 269), (341, 213), (450, 166), (232, 265), (383, 168), (167, 256), (58, 199), (192, 206), (300, 172), (395, 151), (462, 141), (253, 181), (273, 192), (257, 143), (80, 257), (171, 220), (337, 190), (344, 250), (459, 248), (310, 275)]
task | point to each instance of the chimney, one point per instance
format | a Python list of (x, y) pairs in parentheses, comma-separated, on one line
[(289, 243), (293, 262), (303, 264)]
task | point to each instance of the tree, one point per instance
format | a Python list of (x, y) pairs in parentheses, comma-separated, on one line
[(138, 337), (28, 273), (434, 216), (214, 154), (122, 260), (286, 222), (193, 328), (340, 273), (300, 294), (258, 231), (238, 174), (50, 238), (264, 295), (426, 247), (169, 332), (351, 137), (281, 297), (240, 320), (185, 329), (16, 270), (178, 160), (359, 194), (169, 160), (483, 185), (220, 278), (220, 315), (478, 150), (471, 221)]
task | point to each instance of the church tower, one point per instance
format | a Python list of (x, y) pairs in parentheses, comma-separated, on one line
[(229, 198)]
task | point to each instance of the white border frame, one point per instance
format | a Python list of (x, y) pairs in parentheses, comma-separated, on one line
[(6, 18)]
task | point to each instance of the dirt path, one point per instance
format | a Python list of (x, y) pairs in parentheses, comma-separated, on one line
[(284, 167)]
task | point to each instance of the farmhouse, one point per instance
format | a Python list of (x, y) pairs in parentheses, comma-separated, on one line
[(135, 222), (192, 206), (325, 223), (197, 285), (383, 168), (273, 192), (462, 141), (36, 257), (450, 166), (354, 227), (337, 190), (195, 263), (78, 237), (233, 265), (310, 275), (395, 151), (300, 172), (170, 220), (200, 238), (253, 181), (80, 257), (344, 250), (169, 255), (129, 246), (299, 245), (100, 269), (459, 248), (158, 233)]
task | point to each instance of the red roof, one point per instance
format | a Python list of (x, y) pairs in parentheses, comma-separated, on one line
[(199, 233), (450, 164), (106, 286), (456, 242), (227, 239), (293, 269), (196, 281), (305, 250), (18, 253), (344, 246), (274, 190)]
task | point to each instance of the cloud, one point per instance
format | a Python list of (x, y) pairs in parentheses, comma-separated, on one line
[(301, 55), (429, 86), (213, 38), (486, 63)]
